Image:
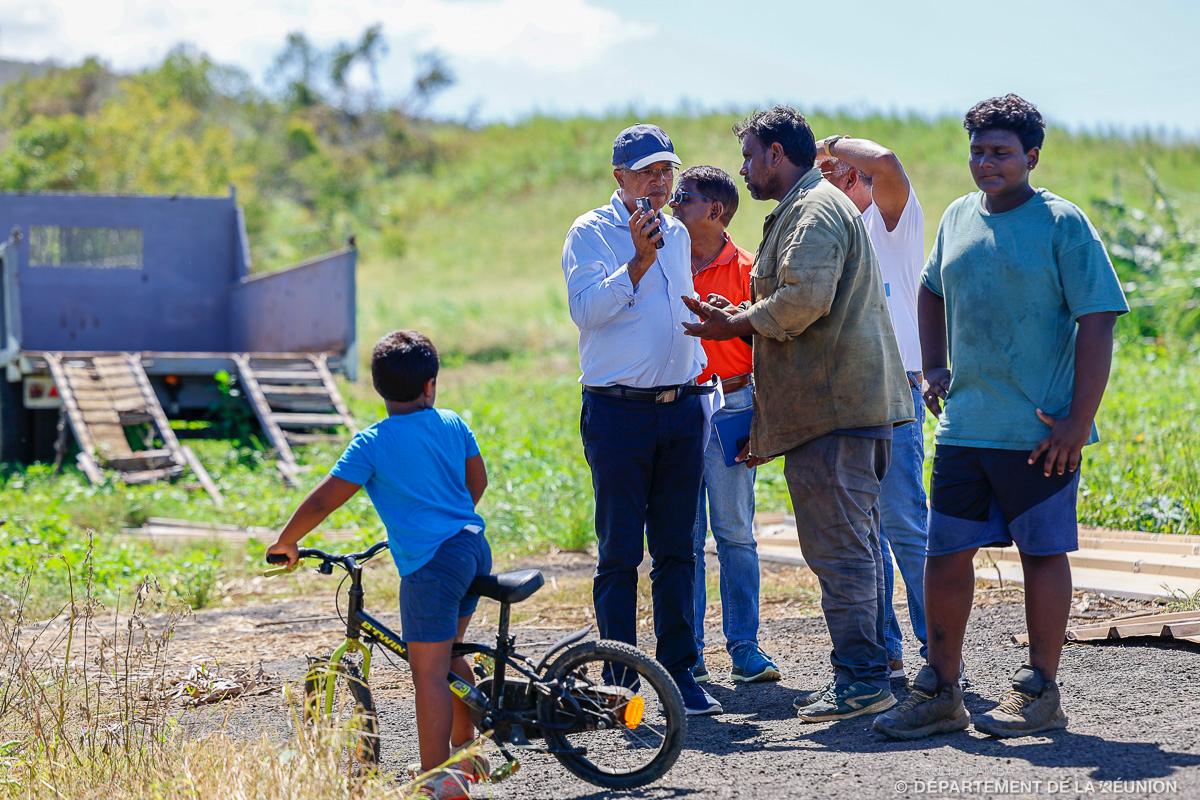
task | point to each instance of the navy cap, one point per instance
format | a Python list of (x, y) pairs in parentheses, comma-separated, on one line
[(642, 145)]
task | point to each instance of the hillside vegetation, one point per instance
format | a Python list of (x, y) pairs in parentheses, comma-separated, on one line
[(460, 232)]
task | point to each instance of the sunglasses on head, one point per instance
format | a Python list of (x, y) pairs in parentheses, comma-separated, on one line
[(680, 196)]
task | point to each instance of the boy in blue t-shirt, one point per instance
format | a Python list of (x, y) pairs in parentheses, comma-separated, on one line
[(1016, 310), (423, 472)]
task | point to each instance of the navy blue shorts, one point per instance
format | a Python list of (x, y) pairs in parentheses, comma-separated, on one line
[(433, 598), (980, 497)]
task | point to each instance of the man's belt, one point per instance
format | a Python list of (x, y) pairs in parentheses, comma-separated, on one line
[(730, 385), (656, 394)]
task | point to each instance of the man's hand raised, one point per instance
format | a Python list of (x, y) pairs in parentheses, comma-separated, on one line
[(715, 323), (646, 231)]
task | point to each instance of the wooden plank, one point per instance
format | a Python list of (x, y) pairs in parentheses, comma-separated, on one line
[(100, 416), (1181, 625), (290, 390), (321, 364), (1183, 630), (1136, 586), (155, 410), (1172, 616), (1167, 565), (89, 467), (79, 427), (312, 438), (202, 474), (287, 376), (262, 409), (290, 419), (142, 460), (146, 476)]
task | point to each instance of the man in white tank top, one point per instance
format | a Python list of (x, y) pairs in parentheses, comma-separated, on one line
[(874, 180)]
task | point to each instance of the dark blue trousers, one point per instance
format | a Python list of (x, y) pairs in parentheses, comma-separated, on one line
[(647, 464)]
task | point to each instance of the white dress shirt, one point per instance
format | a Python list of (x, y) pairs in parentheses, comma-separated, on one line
[(630, 336)]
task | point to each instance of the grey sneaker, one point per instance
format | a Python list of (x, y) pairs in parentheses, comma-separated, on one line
[(929, 709), (805, 699), (845, 702), (1031, 706)]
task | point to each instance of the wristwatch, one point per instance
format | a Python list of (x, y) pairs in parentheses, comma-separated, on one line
[(829, 142)]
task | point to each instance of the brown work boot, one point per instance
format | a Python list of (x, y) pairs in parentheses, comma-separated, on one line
[(932, 707), (1031, 706)]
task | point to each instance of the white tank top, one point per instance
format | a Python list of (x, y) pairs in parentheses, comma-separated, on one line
[(901, 254)]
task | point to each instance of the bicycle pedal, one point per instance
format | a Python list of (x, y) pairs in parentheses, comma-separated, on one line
[(505, 770)]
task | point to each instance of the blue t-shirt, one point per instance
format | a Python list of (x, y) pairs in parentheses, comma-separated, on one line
[(1014, 285), (414, 468)]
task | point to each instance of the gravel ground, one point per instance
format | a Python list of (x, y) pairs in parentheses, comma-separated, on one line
[(1134, 711)]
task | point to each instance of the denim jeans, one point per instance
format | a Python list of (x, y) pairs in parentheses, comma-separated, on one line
[(834, 484), (730, 513), (646, 460), (903, 529)]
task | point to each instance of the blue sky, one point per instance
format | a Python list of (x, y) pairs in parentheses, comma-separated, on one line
[(1086, 64)]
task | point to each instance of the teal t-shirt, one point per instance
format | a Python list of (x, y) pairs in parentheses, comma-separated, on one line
[(414, 467), (1014, 285)]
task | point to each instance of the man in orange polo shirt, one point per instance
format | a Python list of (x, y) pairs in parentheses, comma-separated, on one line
[(705, 203)]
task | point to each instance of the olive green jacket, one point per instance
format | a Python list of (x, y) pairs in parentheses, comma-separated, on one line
[(825, 355)]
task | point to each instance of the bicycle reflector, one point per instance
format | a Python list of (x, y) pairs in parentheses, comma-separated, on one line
[(633, 712)]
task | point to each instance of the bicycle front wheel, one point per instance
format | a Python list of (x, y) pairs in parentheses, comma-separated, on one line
[(350, 719), (616, 718)]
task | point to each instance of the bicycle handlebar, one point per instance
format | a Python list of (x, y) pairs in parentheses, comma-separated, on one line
[(345, 561)]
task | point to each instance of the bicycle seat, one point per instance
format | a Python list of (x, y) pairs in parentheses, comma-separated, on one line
[(508, 587)]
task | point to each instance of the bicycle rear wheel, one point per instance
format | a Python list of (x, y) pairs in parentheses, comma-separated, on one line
[(351, 718), (617, 720)]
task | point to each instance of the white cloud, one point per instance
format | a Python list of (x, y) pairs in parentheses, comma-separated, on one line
[(539, 35)]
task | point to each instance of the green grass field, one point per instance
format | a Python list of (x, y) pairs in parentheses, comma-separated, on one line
[(480, 274)]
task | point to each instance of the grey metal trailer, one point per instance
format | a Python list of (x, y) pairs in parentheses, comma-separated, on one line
[(100, 292)]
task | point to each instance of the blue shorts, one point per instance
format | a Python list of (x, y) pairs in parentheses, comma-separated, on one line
[(433, 598), (980, 497)]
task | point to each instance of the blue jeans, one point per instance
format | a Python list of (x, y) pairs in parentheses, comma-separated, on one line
[(646, 460), (903, 529), (730, 513)]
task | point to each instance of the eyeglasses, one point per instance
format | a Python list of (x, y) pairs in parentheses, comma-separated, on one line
[(666, 173), (831, 170), (680, 197)]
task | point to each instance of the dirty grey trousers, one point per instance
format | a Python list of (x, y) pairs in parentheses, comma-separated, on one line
[(834, 483)]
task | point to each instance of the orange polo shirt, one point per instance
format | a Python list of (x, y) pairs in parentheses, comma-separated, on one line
[(729, 276)]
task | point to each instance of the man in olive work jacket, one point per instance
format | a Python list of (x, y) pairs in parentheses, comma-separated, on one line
[(830, 385)]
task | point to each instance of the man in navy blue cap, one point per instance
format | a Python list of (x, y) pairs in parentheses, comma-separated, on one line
[(642, 420)]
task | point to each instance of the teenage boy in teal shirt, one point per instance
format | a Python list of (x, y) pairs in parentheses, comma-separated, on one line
[(1016, 310)]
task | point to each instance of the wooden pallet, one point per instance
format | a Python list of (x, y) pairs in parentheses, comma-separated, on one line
[(296, 402), (103, 395), (1180, 626)]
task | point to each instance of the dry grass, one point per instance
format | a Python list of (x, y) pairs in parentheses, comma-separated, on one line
[(88, 708)]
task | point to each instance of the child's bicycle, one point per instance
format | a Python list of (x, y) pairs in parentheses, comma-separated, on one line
[(611, 714)]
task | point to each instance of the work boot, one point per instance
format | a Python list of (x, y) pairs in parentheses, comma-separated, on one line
[(1031, 706), (932, 707)]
